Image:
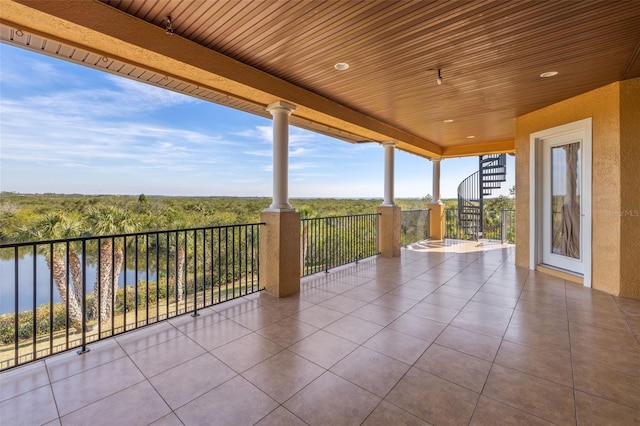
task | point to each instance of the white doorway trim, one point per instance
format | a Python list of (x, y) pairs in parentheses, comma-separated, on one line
[(535, 191)]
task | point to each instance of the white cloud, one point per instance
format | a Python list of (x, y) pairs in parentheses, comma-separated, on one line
[(66, 128)]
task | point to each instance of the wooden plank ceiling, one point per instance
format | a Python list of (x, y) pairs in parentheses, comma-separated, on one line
[(490, 53)]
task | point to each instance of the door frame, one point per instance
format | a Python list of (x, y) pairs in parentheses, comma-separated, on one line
[(535, 191)]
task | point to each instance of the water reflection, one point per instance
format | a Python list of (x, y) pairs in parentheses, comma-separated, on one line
[(45, 288)]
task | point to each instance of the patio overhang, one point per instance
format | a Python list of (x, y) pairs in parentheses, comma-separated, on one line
[(251, 54), (105, 31)]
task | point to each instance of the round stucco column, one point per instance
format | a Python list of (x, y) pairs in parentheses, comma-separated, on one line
[(280, 111), (388, 173), (436, 180)]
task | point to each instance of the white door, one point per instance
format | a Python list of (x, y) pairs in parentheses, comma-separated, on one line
[(560, 195)]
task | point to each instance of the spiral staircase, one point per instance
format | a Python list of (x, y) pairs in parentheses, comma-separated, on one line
[(471, 192)]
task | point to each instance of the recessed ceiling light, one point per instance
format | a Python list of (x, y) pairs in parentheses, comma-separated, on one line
[(341, 66), (448, 121), (470, 137), (549, 74)]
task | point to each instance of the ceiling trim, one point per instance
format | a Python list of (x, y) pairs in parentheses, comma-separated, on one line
[(502, 147), (100, 28)]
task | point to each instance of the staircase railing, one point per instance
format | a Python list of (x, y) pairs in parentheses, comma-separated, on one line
[(472, 190), (469, 207)]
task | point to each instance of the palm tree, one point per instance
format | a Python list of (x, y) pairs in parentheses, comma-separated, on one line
[(109, 220), (57, 226), (182, 240)]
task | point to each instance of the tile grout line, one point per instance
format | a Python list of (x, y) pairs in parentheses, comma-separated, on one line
[(475, 408), (573, 379)]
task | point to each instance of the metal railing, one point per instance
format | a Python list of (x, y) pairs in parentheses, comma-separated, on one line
[(498, 225), (472, 190), (469, 207), (329, 242), (414, 226), (63, 294)]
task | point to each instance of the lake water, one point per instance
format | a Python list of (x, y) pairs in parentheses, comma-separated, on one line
[(26, 282)]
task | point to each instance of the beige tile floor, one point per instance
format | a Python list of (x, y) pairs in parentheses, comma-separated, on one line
[(443, 335)]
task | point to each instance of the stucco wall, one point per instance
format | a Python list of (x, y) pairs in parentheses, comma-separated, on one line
[(630, 194), (603, 106)]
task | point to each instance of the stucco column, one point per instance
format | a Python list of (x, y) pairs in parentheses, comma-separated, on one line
[(389, 222), (436, 208), (280, 252), (388, 173), (436, 221), (280, 111)]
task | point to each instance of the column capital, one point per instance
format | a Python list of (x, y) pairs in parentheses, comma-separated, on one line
[(389, 143), (281, 105)]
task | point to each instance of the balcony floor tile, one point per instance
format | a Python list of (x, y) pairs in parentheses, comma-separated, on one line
[(283, 375), (184, 383), (332, 400), (441, 335), (236, 402)]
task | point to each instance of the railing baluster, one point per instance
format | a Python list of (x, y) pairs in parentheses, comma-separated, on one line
[(157, 250), (204, 268), (51, 306), (16, 310), (136, 281), (98, 291), (167, 272), (195, 274), (84, 348), (211, 262), (67, 294), (219, 266), (246, 249), (114, 286), (34, 312)]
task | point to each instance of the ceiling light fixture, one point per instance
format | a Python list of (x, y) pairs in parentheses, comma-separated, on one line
[(169, 27), (448, 121), (439, 79), (341, 66), (549, 74), (470, 137)]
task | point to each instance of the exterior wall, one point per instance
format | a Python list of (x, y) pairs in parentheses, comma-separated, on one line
[(603, 106), (630, 190)]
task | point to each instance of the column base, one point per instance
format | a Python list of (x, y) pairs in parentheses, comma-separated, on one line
[(436, 221), (280, 252), (389, 242)]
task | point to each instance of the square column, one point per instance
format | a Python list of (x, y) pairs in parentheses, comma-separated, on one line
[(280, 252), (389, 241), (436, 221)]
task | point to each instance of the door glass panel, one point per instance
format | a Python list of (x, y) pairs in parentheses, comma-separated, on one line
[(565, 200)]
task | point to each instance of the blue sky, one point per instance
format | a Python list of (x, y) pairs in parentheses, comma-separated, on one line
[(65, 128)]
